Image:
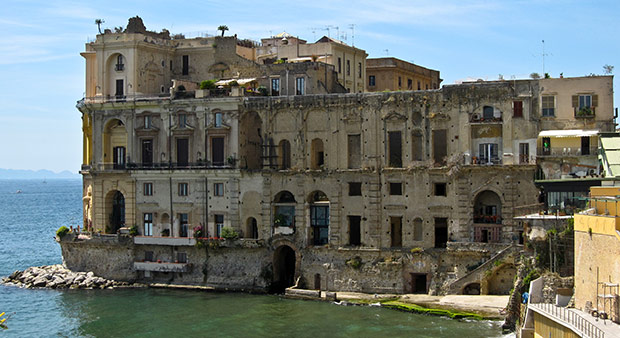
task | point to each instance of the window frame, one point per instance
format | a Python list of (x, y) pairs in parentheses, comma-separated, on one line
[(547, 110), (147, 189), (218, 189), (395, 188), (372, 80), (183, 189), (355, 188)]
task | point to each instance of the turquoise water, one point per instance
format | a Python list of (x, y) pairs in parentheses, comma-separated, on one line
[(27, 224)]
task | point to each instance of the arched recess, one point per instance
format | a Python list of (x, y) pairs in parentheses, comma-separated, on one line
[(284, 264), (284, 154), (115, 211), (317, 154), (319, 218), (487, 217), (116, 85), (471, 289), (115, 144), (500, 282), (250, 141)]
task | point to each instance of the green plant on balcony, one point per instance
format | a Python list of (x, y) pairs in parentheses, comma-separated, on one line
[(133, 231), (229, 233), (208, 84), (585, 111)]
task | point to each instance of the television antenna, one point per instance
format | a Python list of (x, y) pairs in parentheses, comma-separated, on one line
[(352, 27), (387, 52)]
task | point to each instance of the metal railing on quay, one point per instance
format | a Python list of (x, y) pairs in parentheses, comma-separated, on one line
[(580, 323)]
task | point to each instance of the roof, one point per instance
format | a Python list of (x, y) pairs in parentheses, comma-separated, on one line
[(283, 35), (568, 133)]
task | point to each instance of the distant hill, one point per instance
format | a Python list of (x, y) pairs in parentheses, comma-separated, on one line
[(35, 174)]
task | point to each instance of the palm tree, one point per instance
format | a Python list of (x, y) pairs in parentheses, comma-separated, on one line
[(98, 22), (222, 28)]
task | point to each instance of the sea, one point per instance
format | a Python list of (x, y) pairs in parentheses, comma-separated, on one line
[(32, 210)]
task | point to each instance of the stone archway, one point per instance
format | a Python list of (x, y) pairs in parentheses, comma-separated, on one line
[(500, 282), (284, 262), (471, 289), (116, 205)]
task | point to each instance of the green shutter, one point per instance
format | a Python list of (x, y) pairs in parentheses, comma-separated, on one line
[(594, 100), (575, 101)]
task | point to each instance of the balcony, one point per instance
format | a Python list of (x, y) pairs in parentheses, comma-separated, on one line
[(101, 99), (161, 266), (585, 112), (164, 166), (563, 152), (486, 161), (119, 67), (171, 241), (477, 118)]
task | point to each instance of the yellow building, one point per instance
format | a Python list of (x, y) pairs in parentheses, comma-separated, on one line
[(597, 277), (393, 74)]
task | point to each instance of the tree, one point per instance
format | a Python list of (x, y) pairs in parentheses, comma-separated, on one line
[(535, 76), (608, 69), (222, 28), (98, 22)]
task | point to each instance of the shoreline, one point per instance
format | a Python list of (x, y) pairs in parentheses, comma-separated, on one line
[(453, 306)]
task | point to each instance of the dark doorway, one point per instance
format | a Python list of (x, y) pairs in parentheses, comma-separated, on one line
[(119, 157), (120, 89), (418, 283), (472, 289), (217, 150), (396, 231), (441, 232), (354, 230), (117, 219), (147, 152), (317, 281), (585, 145), (182, 152), (283, 269), (395, 150), (440, 146)]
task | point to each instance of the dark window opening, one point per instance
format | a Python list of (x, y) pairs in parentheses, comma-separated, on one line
[(119, 157), (355, 230), (396, 188), (517, 108), (182, 257), (184, 222), (409, 84), (585, 145), (182, 152), (418, 283), (355, 189), (440, 146), (217, 150), (219, 224), (147, 152), (487, 112), (120, 89), (275, 87), (148, 256), (148, 189), (440, 189), (395, 149), (441, 232), (396, 232), (185, 64), (371, 81), (183, 189)]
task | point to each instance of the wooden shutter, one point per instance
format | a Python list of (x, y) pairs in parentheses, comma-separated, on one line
[(594, 100), (575, 101)]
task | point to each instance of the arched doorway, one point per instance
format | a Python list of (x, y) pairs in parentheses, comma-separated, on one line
[(117, 218), (251, 230), (472, 289), (283, 269), (487, 217)]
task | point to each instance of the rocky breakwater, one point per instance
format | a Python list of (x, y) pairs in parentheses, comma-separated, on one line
[(59, 277)]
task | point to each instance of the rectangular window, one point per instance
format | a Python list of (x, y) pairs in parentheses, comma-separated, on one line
[(148, 256), (182, 120), (348, 67), (409, 84), (339, 65), (147, 122), (300, 86), (548, 105), (218, 189), (488, 153), (319, 222), (419, 86), (396, 232), (219, 224), (395, 149), (218, 120), (184, 223), (354, 151), (185, 64), (182, 257), (517, 108), (440, 189), (440, 146), (120, 89), (359, 70), (524, 153), (217, 150), (148, 189), (183, 189), (396, 189), (354, 230), (147, 152), (355, 189), (148, 224), (417, 149), (275, 87), (400, 82), (119, 157), (585, 101), (120, 66), (182, 152), (441, 232), (371, 81)]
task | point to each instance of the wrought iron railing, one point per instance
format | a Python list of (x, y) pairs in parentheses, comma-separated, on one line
[(567, 151)]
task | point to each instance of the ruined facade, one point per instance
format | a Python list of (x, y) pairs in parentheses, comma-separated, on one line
[(378, 192)]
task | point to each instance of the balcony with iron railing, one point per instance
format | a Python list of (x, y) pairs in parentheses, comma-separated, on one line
[(161, 166), (487, 228), (567, 151)]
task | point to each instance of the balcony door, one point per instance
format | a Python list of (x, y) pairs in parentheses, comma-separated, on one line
[(119, 157), (585, 145), (182, 152), (120, 89), (217, 150), (147, 152)]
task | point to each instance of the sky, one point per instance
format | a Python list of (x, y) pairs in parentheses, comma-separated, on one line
[(43, 72)]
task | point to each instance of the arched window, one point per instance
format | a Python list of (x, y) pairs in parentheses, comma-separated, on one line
[(120, 65), (284, 209), (487, 217)]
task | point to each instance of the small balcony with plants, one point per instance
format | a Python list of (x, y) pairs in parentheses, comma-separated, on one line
[(585, 112)]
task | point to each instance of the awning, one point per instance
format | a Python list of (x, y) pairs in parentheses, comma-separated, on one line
[(241, 82), (568, 133)]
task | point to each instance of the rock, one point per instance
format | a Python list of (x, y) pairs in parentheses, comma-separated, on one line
[(39, 282), (79, 279), (90, 274), (15, 275)]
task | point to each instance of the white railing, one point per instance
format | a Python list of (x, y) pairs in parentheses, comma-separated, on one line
[(584, 326)]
